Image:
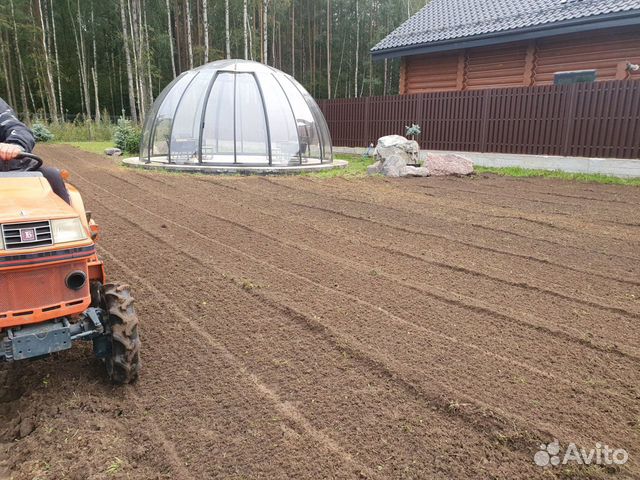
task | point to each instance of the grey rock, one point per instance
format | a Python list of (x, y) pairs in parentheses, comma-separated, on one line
[(392, 141), (393, 154), (440, 164), (394, 166), (374, 169), (410, 171), (390, 145), (113, 152)]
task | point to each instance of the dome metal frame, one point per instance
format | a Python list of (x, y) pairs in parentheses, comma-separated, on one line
[(319, 127)]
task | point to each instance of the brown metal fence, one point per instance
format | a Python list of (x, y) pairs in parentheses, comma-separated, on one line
[(589, 120)]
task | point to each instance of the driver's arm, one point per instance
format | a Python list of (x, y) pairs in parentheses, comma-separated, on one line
[(14, 135)]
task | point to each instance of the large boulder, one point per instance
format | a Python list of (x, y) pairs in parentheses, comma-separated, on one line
[(393, 154), (441, 164), (390, 145)]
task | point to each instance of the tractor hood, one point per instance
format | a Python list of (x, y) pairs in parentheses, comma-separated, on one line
[(27, 196)]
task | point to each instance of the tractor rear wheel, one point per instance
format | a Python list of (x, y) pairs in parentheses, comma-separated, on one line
[(123, 362)]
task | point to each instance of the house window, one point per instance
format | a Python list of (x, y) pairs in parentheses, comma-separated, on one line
[(578, 76)]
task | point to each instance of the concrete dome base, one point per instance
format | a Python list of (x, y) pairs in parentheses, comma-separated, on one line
[(135, 162)]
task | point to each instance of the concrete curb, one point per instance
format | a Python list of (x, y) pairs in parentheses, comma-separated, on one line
[(135, 162), (604, 166)]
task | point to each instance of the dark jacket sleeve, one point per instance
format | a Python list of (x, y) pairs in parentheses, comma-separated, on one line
[(13, 130)]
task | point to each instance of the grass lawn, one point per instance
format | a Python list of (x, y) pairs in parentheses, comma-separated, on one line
[(357, 164), (358, 168), (577, 177), (92, 147)]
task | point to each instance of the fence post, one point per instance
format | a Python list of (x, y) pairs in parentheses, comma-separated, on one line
[(484, 132), (367, 120), (569, 120), (420, 120)]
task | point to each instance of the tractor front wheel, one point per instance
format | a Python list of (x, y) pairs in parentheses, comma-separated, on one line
[(123, 361)]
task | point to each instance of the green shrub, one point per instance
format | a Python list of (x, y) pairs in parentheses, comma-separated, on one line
[(127, 136), (42, 133), (80, 130)]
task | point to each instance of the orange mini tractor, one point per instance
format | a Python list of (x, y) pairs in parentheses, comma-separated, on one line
[(52, 284)]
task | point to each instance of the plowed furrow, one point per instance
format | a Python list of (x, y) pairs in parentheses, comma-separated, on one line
[(627, 271), (456, 278), (609, 295), (556, 223), (439, 216), (470, 304), (306, 328), (406, 361), (263, 343), (192, 372), (534, 202), (628, 276), (544, 188)]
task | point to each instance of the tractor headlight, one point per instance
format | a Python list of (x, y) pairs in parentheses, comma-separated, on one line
[(67, 230)]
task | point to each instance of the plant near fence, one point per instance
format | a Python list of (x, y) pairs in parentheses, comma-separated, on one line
[(413, 131)]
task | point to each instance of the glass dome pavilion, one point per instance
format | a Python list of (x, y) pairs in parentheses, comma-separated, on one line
[(235, 112)]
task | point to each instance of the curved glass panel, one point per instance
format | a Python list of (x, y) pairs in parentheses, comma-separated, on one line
[(185, 135), (305, 123), (236, 112), (321, 124), (218, 145), (164, 119), (146, 135), (145, 151), (149, 123), (285, 145), (252, 142), (323, 128)]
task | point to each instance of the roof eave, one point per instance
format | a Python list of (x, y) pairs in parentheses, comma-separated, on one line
[(618, 19)]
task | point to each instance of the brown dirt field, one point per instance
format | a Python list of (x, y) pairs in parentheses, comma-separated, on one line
[(367, 328)]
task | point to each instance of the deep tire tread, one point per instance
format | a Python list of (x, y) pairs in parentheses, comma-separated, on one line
[(123, 365)]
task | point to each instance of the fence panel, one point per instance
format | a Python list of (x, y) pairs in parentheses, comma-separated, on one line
[(591, 120)]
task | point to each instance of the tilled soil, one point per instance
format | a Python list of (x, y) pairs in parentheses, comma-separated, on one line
[(305, 328)]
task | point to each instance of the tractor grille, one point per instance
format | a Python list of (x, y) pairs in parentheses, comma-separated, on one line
[(26, 290), (26, 235)]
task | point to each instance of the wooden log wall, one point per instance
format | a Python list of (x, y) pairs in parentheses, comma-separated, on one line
[(523, 63)]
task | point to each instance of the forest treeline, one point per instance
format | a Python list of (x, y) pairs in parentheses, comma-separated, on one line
[(61, 59)]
